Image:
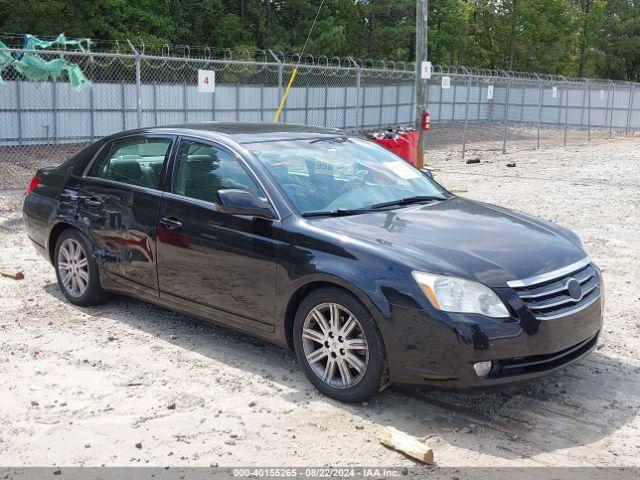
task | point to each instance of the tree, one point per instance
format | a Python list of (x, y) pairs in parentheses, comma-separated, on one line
[(589, 20), (568, 37), (620, 41)]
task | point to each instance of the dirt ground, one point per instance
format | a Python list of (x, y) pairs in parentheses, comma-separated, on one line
[(129, 383)]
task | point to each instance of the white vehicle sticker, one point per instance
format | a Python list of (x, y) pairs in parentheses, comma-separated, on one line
[(402, 169)]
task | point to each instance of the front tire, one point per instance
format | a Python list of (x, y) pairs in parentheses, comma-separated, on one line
[(338, 345), (76, 269)]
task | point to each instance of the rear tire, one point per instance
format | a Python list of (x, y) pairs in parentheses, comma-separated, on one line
[(338, 345), (77, 270)]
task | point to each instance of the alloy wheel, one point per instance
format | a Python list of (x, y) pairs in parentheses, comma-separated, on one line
[(73, 266), (335, 345)]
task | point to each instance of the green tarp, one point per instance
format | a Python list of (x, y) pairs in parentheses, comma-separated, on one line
[(36, 68)]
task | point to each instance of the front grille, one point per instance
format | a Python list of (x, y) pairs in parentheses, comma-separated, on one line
[(541, 363), (556, 294)]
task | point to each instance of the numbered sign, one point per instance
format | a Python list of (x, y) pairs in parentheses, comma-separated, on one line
[(206, 81), (554, 92), (446, 82), (425, 70), (490, 92)]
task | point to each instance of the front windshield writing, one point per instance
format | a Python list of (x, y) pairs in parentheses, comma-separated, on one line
[(341, 173)]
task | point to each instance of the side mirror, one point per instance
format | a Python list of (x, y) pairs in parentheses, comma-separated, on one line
[(242, 202), (427, 173)]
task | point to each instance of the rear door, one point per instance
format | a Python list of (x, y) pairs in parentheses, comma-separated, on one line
[(220, 264), (118, 200)]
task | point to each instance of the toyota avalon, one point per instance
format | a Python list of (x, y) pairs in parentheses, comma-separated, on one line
[(324, 242)]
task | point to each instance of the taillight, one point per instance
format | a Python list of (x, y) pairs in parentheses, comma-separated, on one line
[(35, 181)]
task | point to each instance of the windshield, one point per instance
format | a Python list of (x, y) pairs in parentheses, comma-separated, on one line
[(332, 174)]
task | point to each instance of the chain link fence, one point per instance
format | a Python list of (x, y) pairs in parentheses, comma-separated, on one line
[(482, 110), (43, 122)]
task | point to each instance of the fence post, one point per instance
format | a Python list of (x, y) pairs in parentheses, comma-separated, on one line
[(566, 112), (358, 81), (559, 121), (237, 95), (540, 102), (631, 94), (280, 74), (440, 119), (326, 103), (184, 101), (479, 102), (381, 102), (613, 106), (19, 110), (280, 86), (138, 84), (398, 101), (360, 106), (490, 101), (426, 98), (584, 97), (261, 104), (506, 116), (588, 111), (306, 105), (455, 99), (466, 116), (138, 92), (213, 106), (92, 105), (155, 102), (344, 106), (123, 101), (55, 111)]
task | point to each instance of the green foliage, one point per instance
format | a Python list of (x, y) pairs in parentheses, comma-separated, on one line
[(620, 43), (569, 37)]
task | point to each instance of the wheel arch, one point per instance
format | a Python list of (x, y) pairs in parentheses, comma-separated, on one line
[(54, 234), (302, 291)]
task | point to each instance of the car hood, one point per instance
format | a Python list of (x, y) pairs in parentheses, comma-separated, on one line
[(463, 238)]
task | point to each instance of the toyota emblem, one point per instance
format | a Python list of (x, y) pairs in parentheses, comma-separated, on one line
[(574, 289)]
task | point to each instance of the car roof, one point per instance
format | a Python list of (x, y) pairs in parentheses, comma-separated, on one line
[(242, 132)]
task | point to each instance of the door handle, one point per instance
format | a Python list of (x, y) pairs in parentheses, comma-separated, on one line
[(94, 201), (170, 223)]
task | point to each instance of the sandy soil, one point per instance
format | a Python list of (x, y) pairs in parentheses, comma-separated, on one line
[(129, 383)]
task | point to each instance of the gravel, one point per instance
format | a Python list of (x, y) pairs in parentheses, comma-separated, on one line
[(224, 382)]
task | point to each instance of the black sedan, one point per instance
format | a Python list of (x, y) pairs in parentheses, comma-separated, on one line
[(324, 242)]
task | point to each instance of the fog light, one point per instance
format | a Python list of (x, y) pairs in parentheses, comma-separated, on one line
[(482, 368)]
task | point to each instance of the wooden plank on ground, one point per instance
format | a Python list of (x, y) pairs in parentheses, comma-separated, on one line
[(15, 274), (406, 444)]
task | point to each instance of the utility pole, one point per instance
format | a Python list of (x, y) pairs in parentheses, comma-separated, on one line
[(422, 12)]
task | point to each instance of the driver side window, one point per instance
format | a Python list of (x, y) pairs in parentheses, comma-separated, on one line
[(204, 169)]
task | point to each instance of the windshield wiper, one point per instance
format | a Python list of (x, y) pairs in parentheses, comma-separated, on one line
[(339, 212), (407, 201)]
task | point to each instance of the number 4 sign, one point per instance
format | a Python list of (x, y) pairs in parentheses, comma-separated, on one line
[(206, 81)]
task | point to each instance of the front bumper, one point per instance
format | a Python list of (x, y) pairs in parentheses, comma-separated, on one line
[(440, 350)]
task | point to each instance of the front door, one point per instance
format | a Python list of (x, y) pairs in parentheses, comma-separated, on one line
[(119, 201), (217, 263)]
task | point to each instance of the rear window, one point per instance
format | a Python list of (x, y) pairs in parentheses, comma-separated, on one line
[(135, 162)]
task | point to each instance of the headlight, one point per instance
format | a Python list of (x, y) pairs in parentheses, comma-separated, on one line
[(457, 295)]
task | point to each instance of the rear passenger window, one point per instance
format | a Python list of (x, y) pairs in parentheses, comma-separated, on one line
[(204, 169), (136, 162)]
